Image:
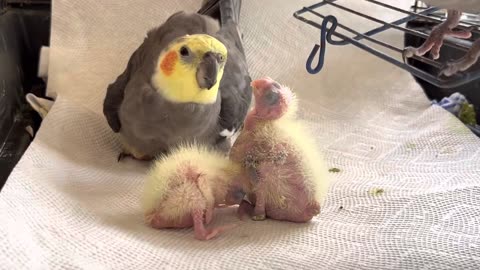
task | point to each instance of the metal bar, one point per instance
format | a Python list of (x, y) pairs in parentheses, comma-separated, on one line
[(454, 81), (417, 14), (304, 9), (406, 30), (397, 22), (362, 35), (316, 25), (408, 12), (386, 45), (428, 61), (433, 15)]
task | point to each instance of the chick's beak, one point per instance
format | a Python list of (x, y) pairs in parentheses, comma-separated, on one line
[(263, 83), (207, 71)]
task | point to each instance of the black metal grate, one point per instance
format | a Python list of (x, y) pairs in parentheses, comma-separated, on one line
[(393, 53), (28, 2)]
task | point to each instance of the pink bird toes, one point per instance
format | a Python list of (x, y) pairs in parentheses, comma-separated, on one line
[(435, 42), (212, 233), (453, 67), (463, 63)]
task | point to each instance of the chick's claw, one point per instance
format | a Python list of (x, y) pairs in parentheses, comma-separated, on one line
[(207, 234), (212, 233), (259, 217)]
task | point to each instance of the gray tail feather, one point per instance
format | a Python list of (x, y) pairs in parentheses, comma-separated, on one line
[(228, 13), (210, 8)]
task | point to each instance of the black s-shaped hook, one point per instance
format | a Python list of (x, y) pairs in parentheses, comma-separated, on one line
[(325, 35)]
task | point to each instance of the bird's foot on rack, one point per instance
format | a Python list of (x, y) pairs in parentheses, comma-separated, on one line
[(434, 41), (463, 63)]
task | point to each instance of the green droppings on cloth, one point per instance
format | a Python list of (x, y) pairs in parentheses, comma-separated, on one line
[(411, 146), (334, 170), (376, 191)]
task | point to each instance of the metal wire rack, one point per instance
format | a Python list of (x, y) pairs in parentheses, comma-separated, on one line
[(428, 14)]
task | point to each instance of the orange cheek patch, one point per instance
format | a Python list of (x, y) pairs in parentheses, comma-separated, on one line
[(168, 63)]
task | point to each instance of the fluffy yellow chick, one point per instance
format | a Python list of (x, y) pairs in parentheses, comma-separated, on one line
[(284, 174), (183, 188)]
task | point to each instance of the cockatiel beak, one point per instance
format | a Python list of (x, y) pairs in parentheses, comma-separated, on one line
[(207, 71)]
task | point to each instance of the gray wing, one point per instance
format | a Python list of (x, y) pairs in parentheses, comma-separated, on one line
[(235, 89), (116, 91)]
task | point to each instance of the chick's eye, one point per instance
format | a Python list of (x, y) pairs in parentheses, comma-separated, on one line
[(222, 58), (272, 98), (184, 51)]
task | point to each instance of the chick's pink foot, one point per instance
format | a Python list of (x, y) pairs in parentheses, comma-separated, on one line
[(463, 63), (435, 41), (259, 210), (202, 233)]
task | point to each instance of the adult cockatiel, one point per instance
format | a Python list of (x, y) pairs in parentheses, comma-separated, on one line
[(435, 40), (188, 81)]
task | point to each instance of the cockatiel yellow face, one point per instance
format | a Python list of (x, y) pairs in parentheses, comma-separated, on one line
[(190, 69)]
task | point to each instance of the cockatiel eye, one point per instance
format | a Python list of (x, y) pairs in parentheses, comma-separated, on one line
[(184, 51)]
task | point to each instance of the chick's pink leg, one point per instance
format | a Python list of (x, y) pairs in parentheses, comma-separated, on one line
[(201, 233), (245, 208), (435, 41), (208, 215), (465, 62), (259, 210)]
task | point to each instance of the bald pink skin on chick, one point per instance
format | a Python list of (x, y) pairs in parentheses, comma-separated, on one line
[(262, 110), (281, 175), (197, 217)]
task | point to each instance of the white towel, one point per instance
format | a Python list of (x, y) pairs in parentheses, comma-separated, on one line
[(70, 205)]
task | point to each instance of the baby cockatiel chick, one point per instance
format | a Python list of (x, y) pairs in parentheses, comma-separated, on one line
[(284, 175), (435, 41), (183, 188)]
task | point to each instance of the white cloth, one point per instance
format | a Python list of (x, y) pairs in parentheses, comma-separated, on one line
[(70, 205)]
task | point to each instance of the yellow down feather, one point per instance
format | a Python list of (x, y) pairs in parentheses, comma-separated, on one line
[(165, 174)]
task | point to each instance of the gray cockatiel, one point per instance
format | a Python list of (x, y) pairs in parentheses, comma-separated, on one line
[(188, 81), (435, 40)]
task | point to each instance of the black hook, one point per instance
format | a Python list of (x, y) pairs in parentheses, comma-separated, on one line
[(325, 35)]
